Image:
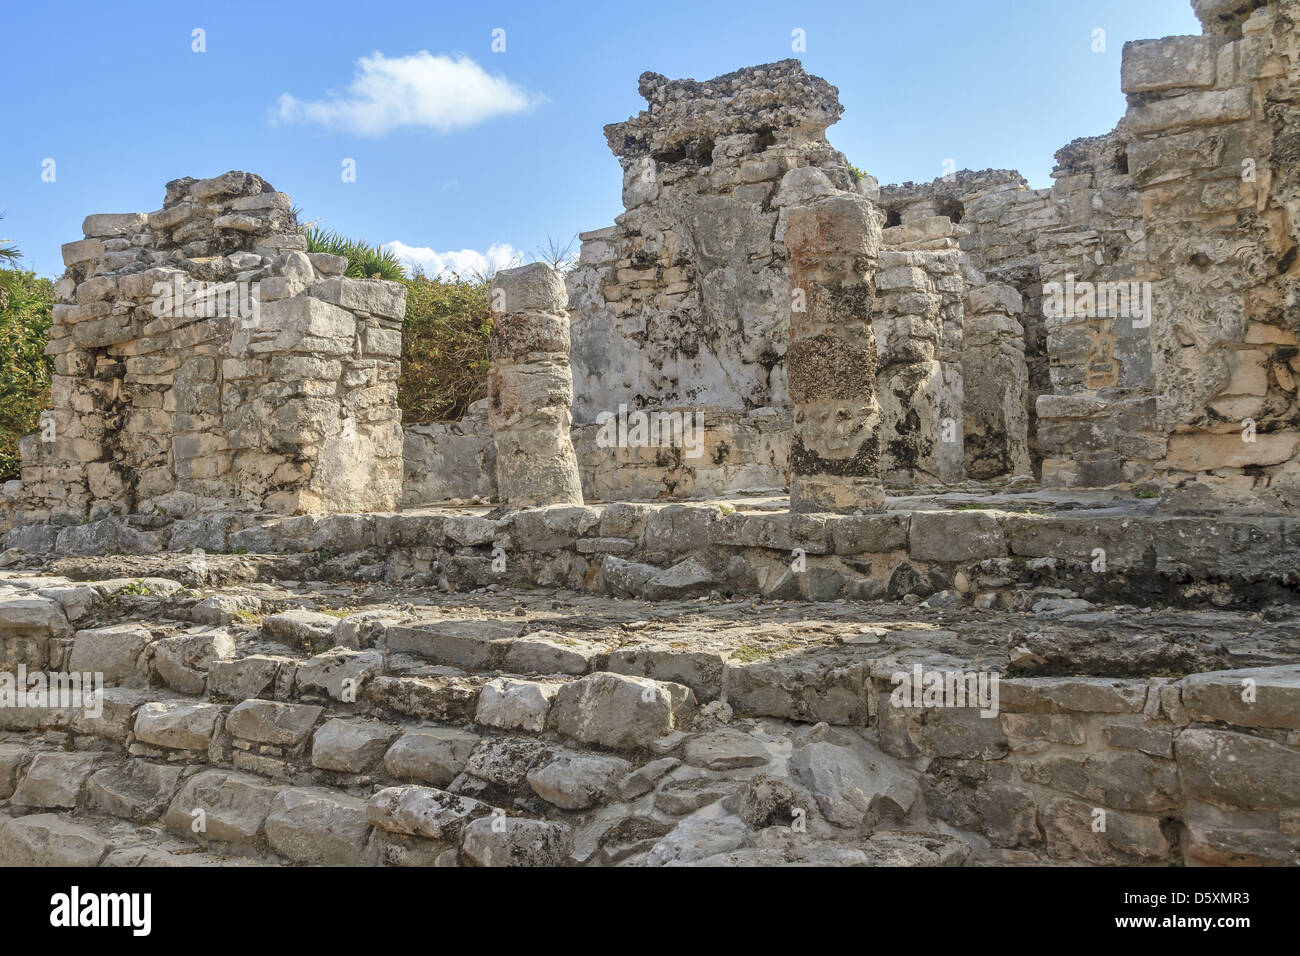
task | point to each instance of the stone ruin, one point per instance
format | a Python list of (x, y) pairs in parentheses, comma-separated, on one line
[(787, 463), (205, 362)]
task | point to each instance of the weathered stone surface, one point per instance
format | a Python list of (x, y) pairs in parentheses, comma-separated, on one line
[(176, 725), (725, 749), (112, 651), (47, 839), (954, 536), (423, 812), (814, 688), (318, 826), (467, 644), (233, 808), (1253, 697), (851, 782), (1071, 831), (530, 387), (545, 652), (1230, 769), (625, 713), (272, 722), (434, 755), (643, 779), (138, 790), (506, 761), (695, 839), (182, 662), (1122, 781), (54, 780), (350, 746), (510, 704), (701, 671), (301, 628), (575, 781), (339, 673), (516, 842), (256, 675)]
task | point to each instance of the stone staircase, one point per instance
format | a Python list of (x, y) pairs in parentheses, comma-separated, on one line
[(255, 723)]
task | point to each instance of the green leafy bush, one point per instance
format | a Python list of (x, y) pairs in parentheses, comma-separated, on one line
[(25, 304), (444, 347)]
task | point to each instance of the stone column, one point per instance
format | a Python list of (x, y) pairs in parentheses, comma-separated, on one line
[(832, 241), (530, 389)]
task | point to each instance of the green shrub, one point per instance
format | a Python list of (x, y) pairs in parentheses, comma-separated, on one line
[(444, 347), (25, 304)]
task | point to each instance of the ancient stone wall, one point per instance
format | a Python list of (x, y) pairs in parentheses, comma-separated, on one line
[(683, 300), (447, 461), (203, 362), (918, 321), (1158, 274), (1214, 151)]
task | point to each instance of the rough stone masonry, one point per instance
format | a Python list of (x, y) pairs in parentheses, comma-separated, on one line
[(1043, 441), (204, 362)]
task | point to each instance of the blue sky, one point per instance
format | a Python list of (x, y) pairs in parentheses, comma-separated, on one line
[(466, 148)]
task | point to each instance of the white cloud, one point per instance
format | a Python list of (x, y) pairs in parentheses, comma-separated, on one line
[(466, 262), (441, 92)]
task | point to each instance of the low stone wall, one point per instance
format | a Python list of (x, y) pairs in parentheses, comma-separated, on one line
[(738, 454), (449, 461), (989, 558)]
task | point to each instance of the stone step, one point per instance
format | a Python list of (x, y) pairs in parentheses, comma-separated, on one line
[(608, 740)]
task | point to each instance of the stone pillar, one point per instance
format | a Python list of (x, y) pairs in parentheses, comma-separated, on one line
[(530, 389), (832, 241)]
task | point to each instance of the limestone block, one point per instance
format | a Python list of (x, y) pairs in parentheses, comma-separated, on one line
[(1167, 63), (619, 711)]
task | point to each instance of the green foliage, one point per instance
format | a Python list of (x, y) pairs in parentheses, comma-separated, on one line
[(25, 304), (444, 347), (857, 175), (364, 260)]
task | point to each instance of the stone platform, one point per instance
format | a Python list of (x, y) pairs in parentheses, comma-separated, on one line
[(982, 548), (316, 713)]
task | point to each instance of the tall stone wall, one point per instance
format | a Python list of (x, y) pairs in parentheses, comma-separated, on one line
[(834, 242), (1215, 152), (1192, 201), (918, 321), (204, 362), (683, 301)]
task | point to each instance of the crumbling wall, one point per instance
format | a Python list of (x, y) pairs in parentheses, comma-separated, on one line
[(446, 461), (1190, 205), (683, 301), (204, 362), (1215, 150), (918, 320)]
